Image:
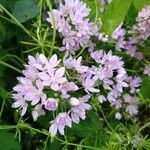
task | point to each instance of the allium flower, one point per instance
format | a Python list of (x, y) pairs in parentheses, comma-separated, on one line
[(59, 124), (51, 104), (79, 108), (37, 112), (147, 70)]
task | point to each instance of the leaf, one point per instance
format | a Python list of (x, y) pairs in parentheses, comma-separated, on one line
[(91, 4), (25, 10), (8, 141), (87, 127), (114, 15), (55, 145), (139, 4), (145, 87)]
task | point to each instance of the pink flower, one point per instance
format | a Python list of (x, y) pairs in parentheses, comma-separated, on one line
[(59, 124), (79, 108), (54, 78), (75, 64), (37, 112), (88, 84), (20, 102)]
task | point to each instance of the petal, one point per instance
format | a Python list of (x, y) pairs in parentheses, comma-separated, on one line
[(53, 130), (54, 86), (93, 90), (43, 76), (61, 80), (60, 72), (78, 61), (75, 117), (34, 115), (24, 109), (42, 59)]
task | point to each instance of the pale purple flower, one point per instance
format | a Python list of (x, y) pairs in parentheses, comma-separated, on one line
[(58, 125), (53, 78), (20, 103), (97, 55), (119, 32), (88, 84), (75, 64), (132, 110), (147, 70), (131, 102), (134, 84), (37, 112), (51, 104), (79, 109), (67, 87)]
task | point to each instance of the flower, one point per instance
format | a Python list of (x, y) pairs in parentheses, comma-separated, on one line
[(134, 83), (20, 102), (79, 108), (131, 102), (59, 123), (71, 22), (147, 70), (75, 64), (37, 112), (67, 87), (88, 84), (119, 32), (51, 104)]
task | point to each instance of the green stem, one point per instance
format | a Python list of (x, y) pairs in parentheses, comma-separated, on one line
[(10, 66), (54, 26), (3, 103)]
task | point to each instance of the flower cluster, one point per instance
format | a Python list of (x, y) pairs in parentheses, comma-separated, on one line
[(136, 36), (41, 76), (74, 27)]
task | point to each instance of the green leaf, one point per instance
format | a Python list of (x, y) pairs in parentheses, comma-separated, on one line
[(8, 141), (87, 127), (145, 87), (25, 10), (114, 15), (92, 5), (139, 4)]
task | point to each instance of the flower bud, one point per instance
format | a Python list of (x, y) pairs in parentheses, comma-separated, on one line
[(74, 101)]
